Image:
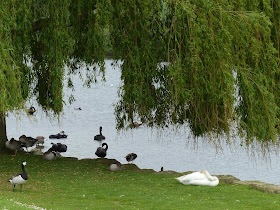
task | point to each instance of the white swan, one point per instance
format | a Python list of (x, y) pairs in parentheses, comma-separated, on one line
[(202, 178)]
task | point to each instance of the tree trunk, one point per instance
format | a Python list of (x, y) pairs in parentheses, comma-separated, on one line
[(3, 135)]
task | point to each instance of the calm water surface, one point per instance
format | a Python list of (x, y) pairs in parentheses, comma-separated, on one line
[(155, 148)]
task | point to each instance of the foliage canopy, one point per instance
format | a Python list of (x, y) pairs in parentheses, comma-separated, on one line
[(213, 65)]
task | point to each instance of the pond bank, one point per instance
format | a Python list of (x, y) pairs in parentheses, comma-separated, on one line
[(226, 179)]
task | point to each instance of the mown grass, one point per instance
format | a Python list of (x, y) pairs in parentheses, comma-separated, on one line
[(68, 183)]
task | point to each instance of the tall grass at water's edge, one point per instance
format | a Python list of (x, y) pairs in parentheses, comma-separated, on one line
[(68, 183)]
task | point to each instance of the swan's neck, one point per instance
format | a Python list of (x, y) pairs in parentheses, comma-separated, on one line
[(208, 176)]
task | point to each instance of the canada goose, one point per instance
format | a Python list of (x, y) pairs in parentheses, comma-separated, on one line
[(130, 157), (36, 151), (99, 137), (50, 155), (202, 178), (40, 140), (60, 135), (102, 152), (40, 147), (31, 110), (59, 147), (19, 178), (14, 145), (115, 166), (27, 141)]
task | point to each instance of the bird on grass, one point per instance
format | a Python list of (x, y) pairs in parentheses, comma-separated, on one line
[(27, 141), (14, 145), (130, 157), (19, 178), (101, 151), (50, 155), (202, 178), (40, 140), (59, 147), (115, 166)]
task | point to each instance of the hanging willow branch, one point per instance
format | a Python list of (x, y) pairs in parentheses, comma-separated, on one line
[(213, 65), (221, 66)]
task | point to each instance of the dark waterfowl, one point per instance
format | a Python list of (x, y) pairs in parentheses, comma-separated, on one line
[(19, 178), (60, 135), (50, 155), (59, 147), (31, 110), (27, 141), (99, 137), (14, 145), (40, 140), (102, 152), (130, 157)]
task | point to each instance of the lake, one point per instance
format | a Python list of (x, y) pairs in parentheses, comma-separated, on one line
[(155, 148)]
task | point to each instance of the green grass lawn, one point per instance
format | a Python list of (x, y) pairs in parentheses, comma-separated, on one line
[(68, 183)]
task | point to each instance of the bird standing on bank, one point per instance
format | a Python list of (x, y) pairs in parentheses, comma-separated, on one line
[(27, 141), (40, 140), (102, 152), (14, 145), (19, 178)]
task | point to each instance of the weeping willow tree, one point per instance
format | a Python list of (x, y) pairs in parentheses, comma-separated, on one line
[(222, 65), (212, 65), (38, 40)]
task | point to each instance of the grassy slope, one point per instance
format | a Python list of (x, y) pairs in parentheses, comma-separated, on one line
[(68, 183)]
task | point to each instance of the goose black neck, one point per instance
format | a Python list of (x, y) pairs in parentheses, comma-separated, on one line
[(23, 169), (106, 146), (24, 174), (100, 131)]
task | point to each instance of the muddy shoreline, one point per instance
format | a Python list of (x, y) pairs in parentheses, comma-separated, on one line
[(226, 179)]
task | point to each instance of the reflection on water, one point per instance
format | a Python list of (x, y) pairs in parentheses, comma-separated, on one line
[(154, 148)]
